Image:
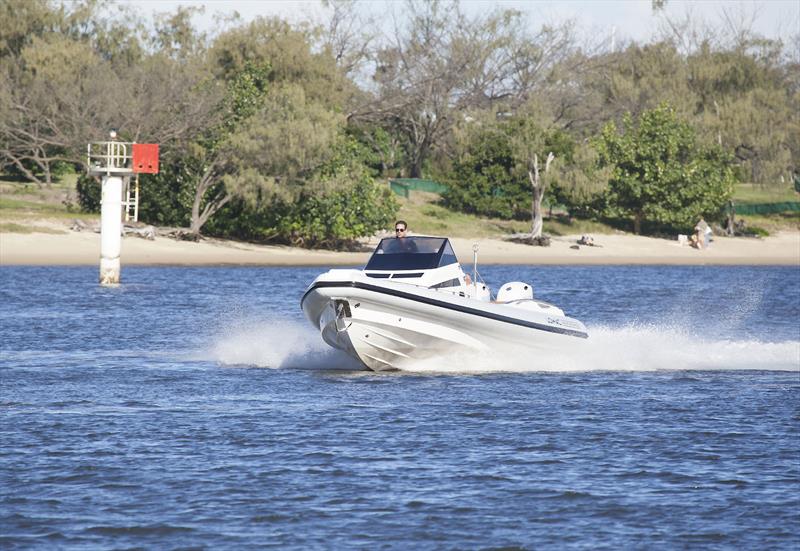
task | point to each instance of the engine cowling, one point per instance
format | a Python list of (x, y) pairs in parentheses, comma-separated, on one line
[(515, 290)]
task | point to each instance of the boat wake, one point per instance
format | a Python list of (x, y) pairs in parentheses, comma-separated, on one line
[(292, 344), (637, 348), (278, 344)]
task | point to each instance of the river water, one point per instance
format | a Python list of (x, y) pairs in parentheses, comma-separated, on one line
[(196, 408)]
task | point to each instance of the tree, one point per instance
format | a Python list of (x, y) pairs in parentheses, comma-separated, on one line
[(494, 166), (211, 158), (383, 149), (483, 179), (528, 140), (443, 63), (46, 97), (418, 77), (280, 146), (661, 173), (274, 125), (347, 35), (289, 53), (641, 77), (331, 207), (744, 103), (580, 183), (77, 74), (539, 186), (344, 204)]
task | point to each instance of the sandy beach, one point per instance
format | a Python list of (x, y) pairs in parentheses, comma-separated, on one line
[(83, 248)]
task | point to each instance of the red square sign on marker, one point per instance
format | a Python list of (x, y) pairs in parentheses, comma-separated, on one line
[(145, 158)]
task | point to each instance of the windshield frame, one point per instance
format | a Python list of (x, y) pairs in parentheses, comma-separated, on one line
[(383, 260)]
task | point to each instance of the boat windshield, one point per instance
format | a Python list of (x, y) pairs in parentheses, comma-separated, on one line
[(412, 253)]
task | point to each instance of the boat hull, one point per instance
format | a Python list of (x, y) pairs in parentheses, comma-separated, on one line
[(388, 326)]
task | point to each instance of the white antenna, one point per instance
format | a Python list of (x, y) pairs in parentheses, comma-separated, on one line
[(475, 266)]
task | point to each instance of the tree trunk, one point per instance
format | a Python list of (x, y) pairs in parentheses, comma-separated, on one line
[(539, 186), (416, 169), (199, 218), (27, 173), (196, 222), (731, 222), (419, 160), (211, 207), (48, 176), (421, 150), (537, 223), (637, 223)]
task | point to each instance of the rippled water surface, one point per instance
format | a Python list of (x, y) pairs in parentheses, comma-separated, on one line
[(195, 407)]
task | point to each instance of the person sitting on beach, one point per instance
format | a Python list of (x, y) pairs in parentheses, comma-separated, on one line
[(707, 236), (703, 232), (587, 240)]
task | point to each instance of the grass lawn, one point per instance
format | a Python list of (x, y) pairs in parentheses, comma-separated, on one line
[(753, 194), (425, 216), (21, 201), (13, 227), (772, 222)]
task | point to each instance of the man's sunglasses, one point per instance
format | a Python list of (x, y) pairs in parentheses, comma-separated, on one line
[(399, 229)]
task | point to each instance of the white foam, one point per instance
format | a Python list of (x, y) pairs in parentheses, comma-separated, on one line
[(290, 344), (632, 348), (277, 344)]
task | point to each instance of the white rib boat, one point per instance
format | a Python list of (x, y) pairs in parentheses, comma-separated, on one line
[(413, 302)]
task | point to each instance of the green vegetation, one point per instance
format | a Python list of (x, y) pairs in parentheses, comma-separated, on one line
[(660, 174), (18, 204), (281, 132), (490, 174), (772, 223), (426, 215), (20, 201), (751, 194), (12, 227)]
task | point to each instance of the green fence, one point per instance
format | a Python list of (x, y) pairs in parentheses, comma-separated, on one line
[(404, 186), (768, 208)]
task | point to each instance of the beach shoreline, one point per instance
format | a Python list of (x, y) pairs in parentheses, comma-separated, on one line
[(83, 248)]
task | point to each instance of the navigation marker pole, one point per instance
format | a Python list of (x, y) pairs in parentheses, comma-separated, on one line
[(115, 162), (110, 230)]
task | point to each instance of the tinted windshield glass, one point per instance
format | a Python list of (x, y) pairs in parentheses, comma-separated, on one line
[(448, 255), (411, 253)]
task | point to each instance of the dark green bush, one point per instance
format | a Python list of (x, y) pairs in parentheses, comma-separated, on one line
[(89, 193)]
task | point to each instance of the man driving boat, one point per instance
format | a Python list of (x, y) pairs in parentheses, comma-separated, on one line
[(401, 244)]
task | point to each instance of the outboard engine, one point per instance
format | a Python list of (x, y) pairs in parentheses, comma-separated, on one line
[(515, 290), (479, 291)]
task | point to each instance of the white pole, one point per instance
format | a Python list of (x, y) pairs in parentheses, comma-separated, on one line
[(475, 267), (110, 230)]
